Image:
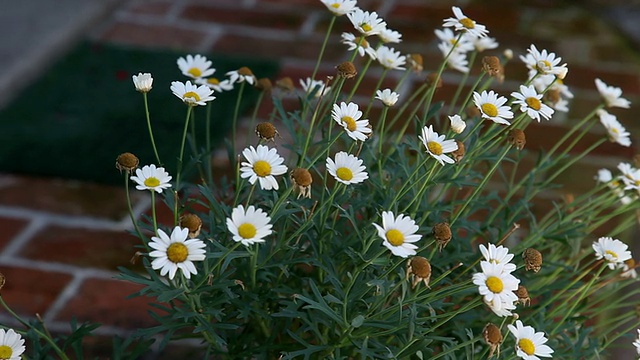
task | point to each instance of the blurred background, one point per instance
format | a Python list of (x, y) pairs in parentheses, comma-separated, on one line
[(68, 108)]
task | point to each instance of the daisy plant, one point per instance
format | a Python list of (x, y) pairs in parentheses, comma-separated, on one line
[(397, 219)]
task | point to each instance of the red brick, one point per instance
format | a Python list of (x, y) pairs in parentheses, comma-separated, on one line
[(66, 197), (148, 7), (29, 291), (105, 301), (82, 247), (10, 228), (163, 36), (281, 20)]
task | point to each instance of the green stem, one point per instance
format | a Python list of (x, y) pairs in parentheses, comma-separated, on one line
[(323, 47), (234, 126), (153, 142)]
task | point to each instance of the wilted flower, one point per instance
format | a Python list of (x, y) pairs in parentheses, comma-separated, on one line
[(532, 259), (419, 269), (493, 337)]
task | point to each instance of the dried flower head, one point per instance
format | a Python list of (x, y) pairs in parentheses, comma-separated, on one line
[(264, 84), (492, 66), (127, 162), (266, 131), (472, 112), (442, 234), (302, 180), (2, 280), (523, 295), (431, 80), (532, 259), (458, 154), (419, 269), (285, 84), (517, 138), (415, 61), (191, 222), (493, 337), (346, 70)]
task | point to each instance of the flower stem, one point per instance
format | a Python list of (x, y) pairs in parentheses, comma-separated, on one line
[(153, 142)]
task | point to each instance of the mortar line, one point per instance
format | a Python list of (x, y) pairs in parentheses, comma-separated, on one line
[(22, 238)]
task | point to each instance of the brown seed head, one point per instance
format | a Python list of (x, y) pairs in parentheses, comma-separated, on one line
[(245, 71), (442, 234), (493, 337), (415, 61), (458, 154), (472, 112), (523, 295), (419, 269), (264, 84), (492, 66), (127, 162), (302, 180), (431, 80), (285, 84), (553, 96), (266, 131), (636, 160), (516, 138), (191, 222), (2, 280), (532, 259), (346, 70)]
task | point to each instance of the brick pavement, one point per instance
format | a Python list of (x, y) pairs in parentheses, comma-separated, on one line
[(62, 240)]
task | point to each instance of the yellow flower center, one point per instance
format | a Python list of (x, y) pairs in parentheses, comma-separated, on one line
[(177, 252), (195, 72), (543, 66), (434, 147), (395, 237), (489, 109), (213, 81), (366, 27), (344, 173), (495, 284), (614, 130), (527, 346), (150, 182), (351, 124), (247, 230), (364, 43), (468, 23), (335, 5), (262, 168), (533, 103), (5, 352), (191, 94), (613, 255)]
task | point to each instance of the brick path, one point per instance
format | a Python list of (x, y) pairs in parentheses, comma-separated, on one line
[(62, 240)]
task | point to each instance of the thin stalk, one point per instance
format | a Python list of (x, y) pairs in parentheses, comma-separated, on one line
[(153, 142)]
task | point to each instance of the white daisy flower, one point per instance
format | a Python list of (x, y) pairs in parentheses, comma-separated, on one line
[(457, 124), (176, 252), (388, 97), (500, 307), (616, 132), (543, 62), (340, 7), (314, 86), (195, 67), (492, 107), (604, 176), (216, 84), (447, 36), (496, 285), (11, 345), (457, 60), (463, 23), (630, 176), (389, 36), (498, 255), (529, 343), (250, 226), (483, 43), (363, 48), (636, 342), (398, 234), (347, 168), (262, 164), (191, 94), (628, 269), (437, 146), (611, 95), (242, 74), (152, 178), (613, 251), (531, 103), (367, 23), (348, 115), (390, 59), (142, 82)]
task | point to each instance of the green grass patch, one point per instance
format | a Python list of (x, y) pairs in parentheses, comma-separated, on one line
[(75, 120)]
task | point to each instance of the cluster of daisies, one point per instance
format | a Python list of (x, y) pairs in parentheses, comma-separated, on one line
[(626, 184)]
